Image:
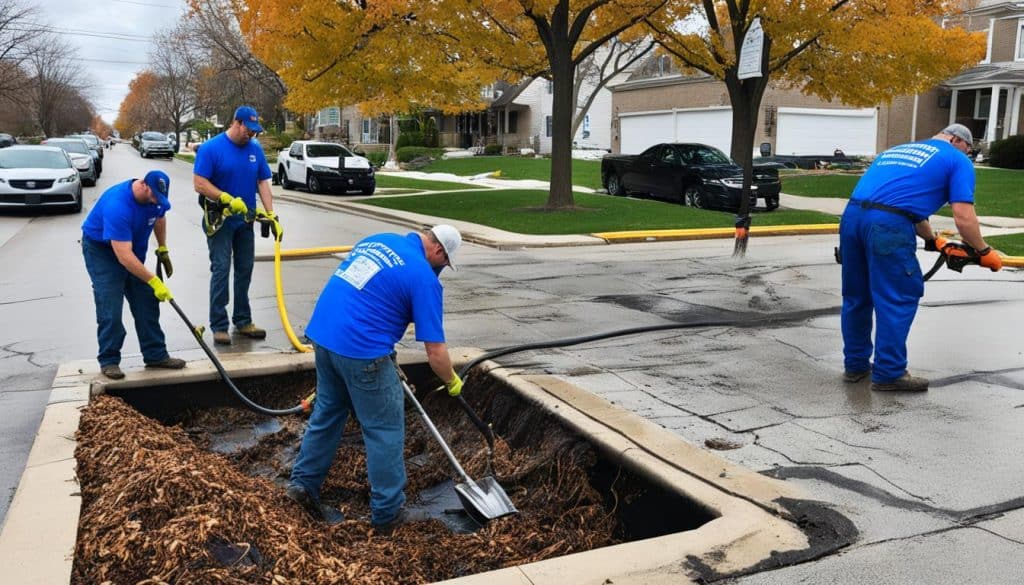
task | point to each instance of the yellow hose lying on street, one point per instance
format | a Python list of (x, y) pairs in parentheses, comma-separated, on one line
[(281, 309)]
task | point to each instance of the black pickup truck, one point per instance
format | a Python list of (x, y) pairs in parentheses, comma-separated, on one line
[(697, 175)]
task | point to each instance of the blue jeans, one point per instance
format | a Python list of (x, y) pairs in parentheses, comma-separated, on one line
[(111, 285), (881, 277), (235, 240), (373, 390)]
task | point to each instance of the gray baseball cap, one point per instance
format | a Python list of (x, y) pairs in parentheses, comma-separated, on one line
[(960, 131)]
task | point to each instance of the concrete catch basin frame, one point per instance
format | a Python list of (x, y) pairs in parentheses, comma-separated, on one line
[(742, 521)]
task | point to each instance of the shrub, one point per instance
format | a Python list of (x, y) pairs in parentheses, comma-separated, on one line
[(492, 149), (408, 153), (1008, 153), (377, 158), (412, 138)]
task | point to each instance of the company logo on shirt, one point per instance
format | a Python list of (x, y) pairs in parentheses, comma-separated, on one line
[(913, 155), (151, 221), (252, 158)]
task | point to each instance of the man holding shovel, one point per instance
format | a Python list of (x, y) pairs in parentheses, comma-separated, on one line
[(387, 282)]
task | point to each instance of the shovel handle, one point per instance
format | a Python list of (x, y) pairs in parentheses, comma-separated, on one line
[(433, 431)]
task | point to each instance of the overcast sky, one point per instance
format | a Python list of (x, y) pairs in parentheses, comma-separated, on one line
[(112, 38)]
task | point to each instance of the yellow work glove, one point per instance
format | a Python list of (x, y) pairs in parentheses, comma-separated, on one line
[(270, 218), (163, 257), (160, 290), (454, 385), (235, 204)]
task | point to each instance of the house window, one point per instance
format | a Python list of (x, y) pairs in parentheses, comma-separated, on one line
[(547, 126), (586, 126), (1020, 40), (982, 103)]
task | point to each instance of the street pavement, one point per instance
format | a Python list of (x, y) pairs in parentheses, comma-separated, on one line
[(932, 481)]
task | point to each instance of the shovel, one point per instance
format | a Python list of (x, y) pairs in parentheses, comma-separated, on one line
[(483, 500)]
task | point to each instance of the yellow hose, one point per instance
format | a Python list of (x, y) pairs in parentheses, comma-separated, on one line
[(281, 309)]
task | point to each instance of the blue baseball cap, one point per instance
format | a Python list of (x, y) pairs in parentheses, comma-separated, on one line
[(248, 116), (160, 183)]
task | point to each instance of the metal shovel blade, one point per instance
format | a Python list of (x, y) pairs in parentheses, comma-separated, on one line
[(484, 500)]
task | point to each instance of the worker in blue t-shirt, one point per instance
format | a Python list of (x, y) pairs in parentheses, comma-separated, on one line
[(881, 275), (115, 237), (229, 170), (387, 282)]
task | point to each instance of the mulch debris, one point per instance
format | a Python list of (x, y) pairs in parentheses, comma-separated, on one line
[(159, 507)]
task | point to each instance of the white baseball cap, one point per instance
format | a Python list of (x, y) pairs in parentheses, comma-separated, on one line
[(450, 240)]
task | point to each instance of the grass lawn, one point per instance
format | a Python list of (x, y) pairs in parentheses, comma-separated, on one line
[(1010, 244), (585, 173), (998, 192), (387, 181), (519, 211)]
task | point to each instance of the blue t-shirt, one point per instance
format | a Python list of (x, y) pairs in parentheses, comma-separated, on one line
[(919, 177), (233, 169), (384, 284), (119, 217)]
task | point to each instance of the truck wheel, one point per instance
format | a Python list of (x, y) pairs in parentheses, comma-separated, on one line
[(771, 204), (369, 191), (283, 178), (313, 184), (615, 186), (694, 198)]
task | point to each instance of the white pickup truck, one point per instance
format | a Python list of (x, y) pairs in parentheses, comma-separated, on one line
[(324, 167)]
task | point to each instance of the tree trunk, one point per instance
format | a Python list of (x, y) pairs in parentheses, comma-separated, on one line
[(745, 96), (562, 110)]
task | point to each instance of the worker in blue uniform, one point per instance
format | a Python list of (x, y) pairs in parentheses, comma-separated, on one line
[(881, 275), (230, 169), (387, 282), (115, 237)]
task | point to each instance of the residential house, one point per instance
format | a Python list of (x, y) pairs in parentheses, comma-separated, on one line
[(659, 104)]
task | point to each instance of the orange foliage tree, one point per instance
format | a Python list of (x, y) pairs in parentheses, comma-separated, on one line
[(859, 53), (136, 112)]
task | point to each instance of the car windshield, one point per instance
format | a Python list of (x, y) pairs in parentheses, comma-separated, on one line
[(153, 136), (32, 159), (704, 155), (88, 138), (316, 150), (76, 146)]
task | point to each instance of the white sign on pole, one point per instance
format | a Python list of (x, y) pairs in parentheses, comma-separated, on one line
[(751, 52)]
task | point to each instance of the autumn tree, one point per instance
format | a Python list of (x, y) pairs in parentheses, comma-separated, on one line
[(858, 53), (137, 113), (174, 94), (595, 72)]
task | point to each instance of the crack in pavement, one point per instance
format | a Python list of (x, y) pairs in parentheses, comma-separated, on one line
[(993, 377), (30, 300), (29, 355)]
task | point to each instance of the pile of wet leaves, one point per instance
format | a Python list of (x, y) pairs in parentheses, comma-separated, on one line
[(159, 506)]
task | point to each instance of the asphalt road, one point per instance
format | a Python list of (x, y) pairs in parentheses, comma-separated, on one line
[(931, 481)]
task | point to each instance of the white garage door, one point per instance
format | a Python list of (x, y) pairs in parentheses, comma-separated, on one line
[(642, 130), (822, 131), (712, 126)]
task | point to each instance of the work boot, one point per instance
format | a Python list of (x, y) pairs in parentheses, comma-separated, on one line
[(854, 377), (112, 371), (250, 330), (905, 383), (221, 338), (314, 508), (168, 363), (404, 516)]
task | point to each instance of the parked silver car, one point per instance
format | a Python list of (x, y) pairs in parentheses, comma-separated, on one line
[(155, 144), (81, 157), (38, 176)]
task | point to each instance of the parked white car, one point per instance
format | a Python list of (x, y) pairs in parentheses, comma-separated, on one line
[(324, 167), (38, 176)]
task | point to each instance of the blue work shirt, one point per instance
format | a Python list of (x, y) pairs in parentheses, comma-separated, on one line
[(233, 169), (918, 177), (384, 284), (118, 217)]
